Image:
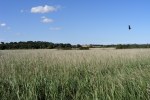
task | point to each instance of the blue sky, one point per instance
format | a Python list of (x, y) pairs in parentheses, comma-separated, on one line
[(75, 21)]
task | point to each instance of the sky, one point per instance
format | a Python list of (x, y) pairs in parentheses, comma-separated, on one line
[(75, 21)]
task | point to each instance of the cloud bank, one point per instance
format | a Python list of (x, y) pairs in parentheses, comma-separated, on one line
[(2, 24), (43, 9), (46, 20)]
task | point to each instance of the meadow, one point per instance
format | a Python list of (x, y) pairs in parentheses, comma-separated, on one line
[(95, 74)]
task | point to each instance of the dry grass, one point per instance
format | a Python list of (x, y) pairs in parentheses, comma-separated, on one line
[(96, 74)]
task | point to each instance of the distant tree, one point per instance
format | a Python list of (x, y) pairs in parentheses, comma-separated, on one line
[(78, 46), (2, 46), (84, 48), (119, 46)]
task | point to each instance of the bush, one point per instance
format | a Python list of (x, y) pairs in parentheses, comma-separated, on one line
[(84, 48)]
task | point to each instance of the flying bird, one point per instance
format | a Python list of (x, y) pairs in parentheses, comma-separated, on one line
[(129, 27)]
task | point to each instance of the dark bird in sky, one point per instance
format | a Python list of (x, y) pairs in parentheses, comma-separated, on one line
[(129, 27)]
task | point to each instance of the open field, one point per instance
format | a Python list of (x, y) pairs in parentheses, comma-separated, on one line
[(96, 74)]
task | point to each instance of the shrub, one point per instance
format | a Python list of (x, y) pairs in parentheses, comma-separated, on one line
[(84, 48)]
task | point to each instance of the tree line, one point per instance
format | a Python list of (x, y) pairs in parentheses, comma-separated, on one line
[(131, 46), (122, 46), (38, 45), (66, 46), (33, 45)]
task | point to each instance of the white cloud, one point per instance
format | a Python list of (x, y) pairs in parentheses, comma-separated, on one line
[(4, 27), (55, 28), (44, 9), (46, 20), (3, 24)]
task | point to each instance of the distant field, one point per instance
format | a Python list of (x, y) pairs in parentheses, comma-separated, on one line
[(95, 74)]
